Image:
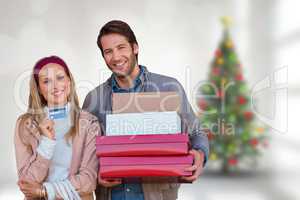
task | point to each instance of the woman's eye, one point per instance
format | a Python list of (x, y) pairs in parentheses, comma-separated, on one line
[(45, 81), (60, 77)]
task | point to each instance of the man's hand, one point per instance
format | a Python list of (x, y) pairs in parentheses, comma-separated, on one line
[(31, 190), (197, 166), (109, 183)]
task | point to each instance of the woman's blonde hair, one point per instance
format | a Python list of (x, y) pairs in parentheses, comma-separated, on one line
[(37, 102)]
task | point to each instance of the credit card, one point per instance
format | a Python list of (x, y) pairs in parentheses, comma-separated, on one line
[(57, 113)]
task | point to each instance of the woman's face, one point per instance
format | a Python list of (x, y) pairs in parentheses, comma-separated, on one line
[(54, 84)]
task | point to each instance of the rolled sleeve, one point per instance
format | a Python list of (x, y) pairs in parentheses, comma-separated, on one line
[(50, 190), (198, 143)]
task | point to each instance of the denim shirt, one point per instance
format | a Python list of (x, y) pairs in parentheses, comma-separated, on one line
[(128, 191), (137, 83)]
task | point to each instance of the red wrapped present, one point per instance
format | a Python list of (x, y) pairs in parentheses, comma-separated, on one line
[(142, 145), (145, 168)]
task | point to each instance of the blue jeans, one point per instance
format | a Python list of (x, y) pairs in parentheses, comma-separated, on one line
[(127, 192)]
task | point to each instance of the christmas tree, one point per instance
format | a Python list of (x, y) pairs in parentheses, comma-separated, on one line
[(225, 110)]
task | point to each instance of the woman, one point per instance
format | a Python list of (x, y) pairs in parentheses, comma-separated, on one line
[(55, 140)]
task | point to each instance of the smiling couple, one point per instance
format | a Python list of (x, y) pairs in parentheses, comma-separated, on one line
[(55, 139)]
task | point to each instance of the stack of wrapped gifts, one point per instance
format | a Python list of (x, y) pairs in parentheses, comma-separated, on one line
[(143, 139)]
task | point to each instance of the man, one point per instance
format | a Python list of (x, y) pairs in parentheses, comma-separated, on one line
[(119, 49)]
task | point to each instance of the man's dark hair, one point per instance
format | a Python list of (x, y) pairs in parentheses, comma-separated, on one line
[(118, 27)]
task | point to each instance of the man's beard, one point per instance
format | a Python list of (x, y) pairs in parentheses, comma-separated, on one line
[(131, 64)]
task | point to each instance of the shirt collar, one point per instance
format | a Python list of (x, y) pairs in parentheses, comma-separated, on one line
[(137, 82), (61, 111)]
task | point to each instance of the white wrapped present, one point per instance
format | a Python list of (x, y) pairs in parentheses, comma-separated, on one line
[(143, 123)]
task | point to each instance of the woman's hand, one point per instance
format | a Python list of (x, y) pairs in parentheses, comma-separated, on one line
[(31, 190), (47, 128)]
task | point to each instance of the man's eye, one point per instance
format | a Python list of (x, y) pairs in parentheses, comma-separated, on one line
[(107, 52)]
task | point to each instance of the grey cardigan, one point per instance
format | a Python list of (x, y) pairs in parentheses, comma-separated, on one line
[(98, 102)]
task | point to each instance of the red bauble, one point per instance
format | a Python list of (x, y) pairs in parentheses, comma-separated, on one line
[(248, 115), (216, 71), (241, 100), (210, 136), (202, 104), (232, 161), (254, 142), (239, 77), (220, 94), (218, 53)]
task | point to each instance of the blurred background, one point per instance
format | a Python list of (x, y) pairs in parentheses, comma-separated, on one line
[(176, 38)]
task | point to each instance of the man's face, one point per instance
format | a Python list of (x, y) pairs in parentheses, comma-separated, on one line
[(119, 55)]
